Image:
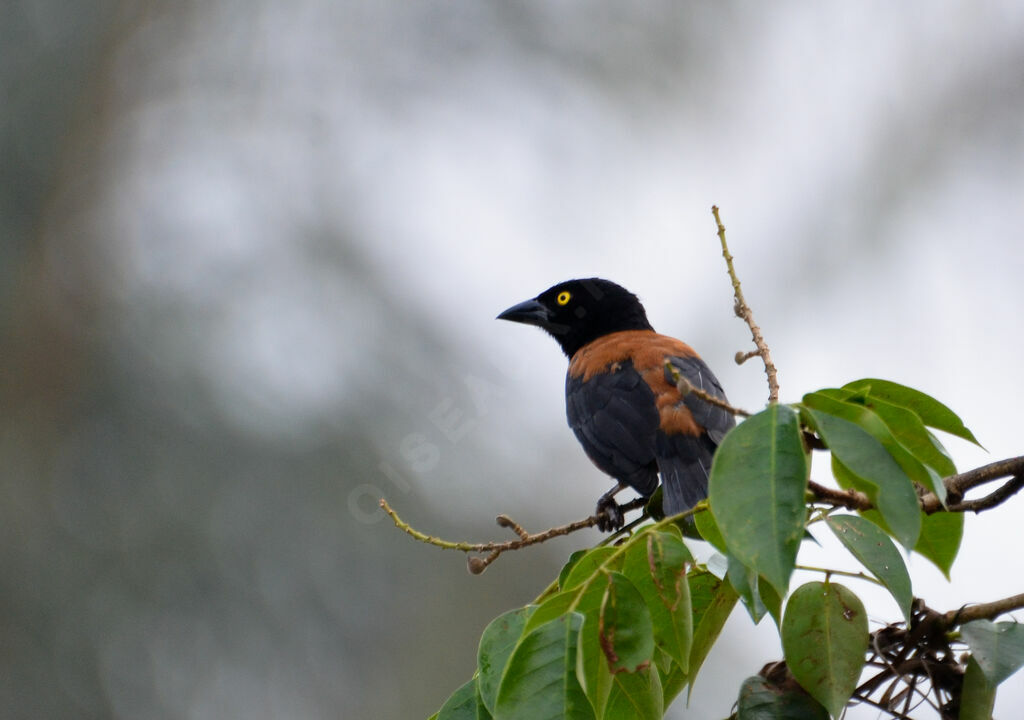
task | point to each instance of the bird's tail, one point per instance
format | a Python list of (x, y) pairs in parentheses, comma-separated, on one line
[(684, 473)]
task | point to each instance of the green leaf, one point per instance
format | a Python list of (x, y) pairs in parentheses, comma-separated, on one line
[(771, 600), (941, 533), (998, 648), (657, 567), (878, 554), (464, 704), (905, 425), (555, 606), (708, 529), (585, 567), (591, 665), (673, 680), (756, 491), (496, 645), (940, 537), (574, 558), (636, 696), (861, 462), (911, 433), (831, 403), (540, 678), (978, 695), (761, 700), (824, 638), (932, 412), (625, 629), (744, 582), (712, 600)]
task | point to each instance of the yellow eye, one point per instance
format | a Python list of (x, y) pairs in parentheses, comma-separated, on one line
[(564, 297)]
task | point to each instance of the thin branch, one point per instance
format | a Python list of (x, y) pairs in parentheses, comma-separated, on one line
[(686, 387), (743, 311), (996, 497), (849, 499), (477, 564), (983, 611), (956, 486)]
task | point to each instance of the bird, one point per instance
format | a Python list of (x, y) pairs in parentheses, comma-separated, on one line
[(621, 398)]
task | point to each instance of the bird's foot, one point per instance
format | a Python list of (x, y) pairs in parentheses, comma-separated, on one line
[(609, 515)]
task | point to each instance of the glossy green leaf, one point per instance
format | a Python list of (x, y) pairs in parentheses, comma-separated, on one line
[(760, 700), (908, 428), (745, 582), (464, 704), (673, 680), (978, 694), (998, 648), (585, 567), (832, 403), (625, 629), (657, 566), (771, 600), (860, 461), (756, 492), (574, 558), (496, 644), (824, 638), (712, 600), (591, 665), (540, 678), (708, 529), (877, 554), (940, 538), (932, 412), (636, 696), (554, 606), (905, 425)]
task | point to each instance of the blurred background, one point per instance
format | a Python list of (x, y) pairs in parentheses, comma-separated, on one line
[(252, 254)]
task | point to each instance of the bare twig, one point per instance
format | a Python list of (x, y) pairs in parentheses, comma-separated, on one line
[(983, 611), (507, 522), (956, 486), (743, 311), (493, 549), (849, 499), (686, 387), (996, 497)]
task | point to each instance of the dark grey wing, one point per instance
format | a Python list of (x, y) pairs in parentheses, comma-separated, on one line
[(684, 459), (615, 419), (715, 420)]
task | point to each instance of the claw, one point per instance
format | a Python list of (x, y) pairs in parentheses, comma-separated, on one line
[(609, 515)]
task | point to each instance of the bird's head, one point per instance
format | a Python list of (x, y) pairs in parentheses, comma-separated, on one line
[(577, 312)]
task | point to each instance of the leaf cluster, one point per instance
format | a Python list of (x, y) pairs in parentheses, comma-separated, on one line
[(625, 628)]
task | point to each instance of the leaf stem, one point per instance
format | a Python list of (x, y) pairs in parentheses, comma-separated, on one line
[(844, 573)]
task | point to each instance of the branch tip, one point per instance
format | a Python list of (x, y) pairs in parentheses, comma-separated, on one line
[(744, 312)]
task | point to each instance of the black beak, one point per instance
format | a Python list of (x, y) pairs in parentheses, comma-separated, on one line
[(530, 312)]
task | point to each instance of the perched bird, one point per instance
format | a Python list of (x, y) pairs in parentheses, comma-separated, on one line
[(620, 398)]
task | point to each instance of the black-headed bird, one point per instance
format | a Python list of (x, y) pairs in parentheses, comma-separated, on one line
[(621, 399)]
